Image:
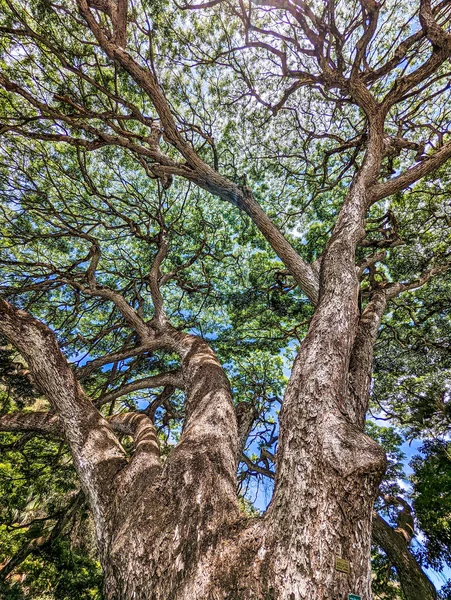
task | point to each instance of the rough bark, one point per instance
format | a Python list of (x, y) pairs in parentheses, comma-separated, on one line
[(173, 530), (324, 459), (97, 454), (155, 524)]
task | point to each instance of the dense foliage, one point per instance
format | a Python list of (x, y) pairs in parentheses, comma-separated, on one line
[(79, 188)]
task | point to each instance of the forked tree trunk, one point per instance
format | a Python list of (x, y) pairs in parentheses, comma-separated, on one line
[(183, 537), (175, 531), (178, 533)]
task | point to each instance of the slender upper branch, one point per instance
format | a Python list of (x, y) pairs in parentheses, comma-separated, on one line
[(172, 378), (154, 280), (395, 289), (101, 361)]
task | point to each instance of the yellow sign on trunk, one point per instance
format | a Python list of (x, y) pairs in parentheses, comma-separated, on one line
[(342, 565)]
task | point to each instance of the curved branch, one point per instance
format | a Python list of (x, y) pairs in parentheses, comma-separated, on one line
[(256, 468), (101, 361), (395, 289), (96, 452), (410, 176), (146, 460), (200, 172), (172, 378), (130, 315)]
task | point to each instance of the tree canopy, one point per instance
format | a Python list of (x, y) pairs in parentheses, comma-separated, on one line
[(186, 166)]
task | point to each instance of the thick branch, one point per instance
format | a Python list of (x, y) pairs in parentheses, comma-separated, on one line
[(145, 461), (361, 361), (96, 451), (414, 582), (410, 176), (438, 37), (38, 421), (209, 440), (120, 23), (145, 453), (48, 423), (201, 173)]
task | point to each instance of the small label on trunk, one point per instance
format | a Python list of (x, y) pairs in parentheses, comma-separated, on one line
[(354, 597), (342, 565)]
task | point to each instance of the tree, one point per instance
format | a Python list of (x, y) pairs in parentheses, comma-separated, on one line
[(120, 122), (432, 496)]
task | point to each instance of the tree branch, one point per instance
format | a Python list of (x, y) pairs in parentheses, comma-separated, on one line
[(172, 378), (145, 461), (96, 451), (96, 363), (395, 289), (414, 582), (200, 172), (154, 276), (361, 361), (410, 176)]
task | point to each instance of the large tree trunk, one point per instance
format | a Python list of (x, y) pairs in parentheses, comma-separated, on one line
[(166, 519), (180, 535), (314, 541), (174, 531), (328, 470)]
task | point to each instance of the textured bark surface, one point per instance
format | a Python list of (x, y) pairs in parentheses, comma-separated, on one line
[(324, 459), (173, 529)]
